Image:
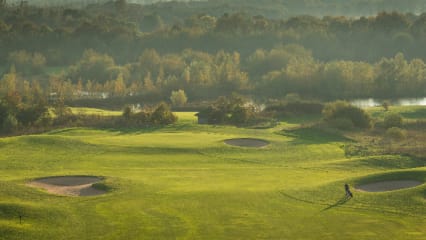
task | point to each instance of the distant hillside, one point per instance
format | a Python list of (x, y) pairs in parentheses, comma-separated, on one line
[(77, 3), (268, 8)]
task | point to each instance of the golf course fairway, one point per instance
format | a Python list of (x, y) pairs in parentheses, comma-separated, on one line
[(184, 182)]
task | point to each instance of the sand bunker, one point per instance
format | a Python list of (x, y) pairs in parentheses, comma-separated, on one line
[(388, 185), (247, 142), (69, 185)]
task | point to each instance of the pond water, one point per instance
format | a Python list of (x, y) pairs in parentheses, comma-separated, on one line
[(371, 102)]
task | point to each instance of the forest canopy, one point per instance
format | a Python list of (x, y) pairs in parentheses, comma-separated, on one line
[(123, 50)]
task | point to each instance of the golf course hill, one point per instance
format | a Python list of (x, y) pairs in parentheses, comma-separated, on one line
[(185, 181)]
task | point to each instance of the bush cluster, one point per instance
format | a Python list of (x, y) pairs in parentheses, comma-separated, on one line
[(233, 110), (343, 115), (395, 133), (15, 115), (295, 107), (158, 116), (393, 120)]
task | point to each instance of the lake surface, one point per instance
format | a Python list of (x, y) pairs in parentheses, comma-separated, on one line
[(371, 102)]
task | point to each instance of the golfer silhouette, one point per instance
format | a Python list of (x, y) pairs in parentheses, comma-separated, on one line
[(348, 191)]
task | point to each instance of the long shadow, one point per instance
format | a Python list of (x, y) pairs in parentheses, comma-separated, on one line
[(314, 135), (301, 118), (418, 113), (340, 202), (178, 127), (298, 199)]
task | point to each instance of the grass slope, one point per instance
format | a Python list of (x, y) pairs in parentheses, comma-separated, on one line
[(183, 182)]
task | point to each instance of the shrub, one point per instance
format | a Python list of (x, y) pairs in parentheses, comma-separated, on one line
[(296, 107), (235, 110), (392, 120), (226, 110), (45, 120), (127, 112), (30, 114), (4, 112), (162, 115), (143, 117), (9, 124), (342, 123), (344, 110), (242, 115), (395, 133), (305, 107)]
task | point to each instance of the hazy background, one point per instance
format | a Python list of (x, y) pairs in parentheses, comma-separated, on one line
[(261, 49)]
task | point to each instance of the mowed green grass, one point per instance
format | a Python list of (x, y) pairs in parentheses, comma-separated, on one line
[(407, 112), (183, 182), (94, 111)]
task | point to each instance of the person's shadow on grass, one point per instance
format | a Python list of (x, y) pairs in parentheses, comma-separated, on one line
[(340, 202)]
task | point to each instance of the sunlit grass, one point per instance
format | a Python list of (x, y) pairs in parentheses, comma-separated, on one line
[(183, 182), (408, 112), (94, 111)]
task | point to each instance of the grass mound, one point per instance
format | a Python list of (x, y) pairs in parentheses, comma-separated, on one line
[(183, 181)]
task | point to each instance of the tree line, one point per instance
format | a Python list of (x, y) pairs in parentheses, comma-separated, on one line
[(63, 34), (31, 113), (111, 50), (202, 76), (269, 8)]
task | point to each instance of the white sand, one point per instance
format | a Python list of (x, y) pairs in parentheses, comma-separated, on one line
[(388, 185), (69, 185), (247, 142)]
